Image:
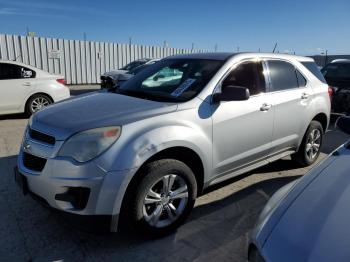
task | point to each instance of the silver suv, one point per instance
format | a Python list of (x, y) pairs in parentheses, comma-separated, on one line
[(143, 153)]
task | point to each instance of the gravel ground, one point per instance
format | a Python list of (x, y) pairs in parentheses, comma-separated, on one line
[(218, 228)]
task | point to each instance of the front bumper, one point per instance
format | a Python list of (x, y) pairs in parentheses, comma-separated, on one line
[(83, 189), (90, 223)]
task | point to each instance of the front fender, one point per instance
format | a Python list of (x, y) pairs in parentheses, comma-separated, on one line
[(131, 152)]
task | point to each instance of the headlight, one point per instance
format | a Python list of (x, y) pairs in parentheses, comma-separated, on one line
[(88, 144)]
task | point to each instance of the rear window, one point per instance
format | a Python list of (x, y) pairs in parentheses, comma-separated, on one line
[(337, 70), (312, 67)]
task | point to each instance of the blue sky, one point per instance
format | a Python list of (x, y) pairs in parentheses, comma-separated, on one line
[(303, 26)]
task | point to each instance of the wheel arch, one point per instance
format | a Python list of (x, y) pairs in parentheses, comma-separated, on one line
[(37, 93), (323, 119), (180, 153)]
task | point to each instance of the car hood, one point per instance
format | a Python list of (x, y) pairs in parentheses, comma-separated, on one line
[(94, 110), (315, 227)]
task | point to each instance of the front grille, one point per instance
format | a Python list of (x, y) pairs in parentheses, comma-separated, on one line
[(36, 135), (34, 163)]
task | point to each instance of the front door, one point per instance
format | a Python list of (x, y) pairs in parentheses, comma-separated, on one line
[(242, 130)]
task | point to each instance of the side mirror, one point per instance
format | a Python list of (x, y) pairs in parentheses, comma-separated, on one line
[(343, 124), (232, 93)]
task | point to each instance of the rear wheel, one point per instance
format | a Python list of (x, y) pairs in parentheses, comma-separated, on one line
[(37, 102), (163, 197), (310, 147)]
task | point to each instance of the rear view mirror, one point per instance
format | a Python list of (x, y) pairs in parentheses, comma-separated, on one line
[(232, 93), (343, 124)]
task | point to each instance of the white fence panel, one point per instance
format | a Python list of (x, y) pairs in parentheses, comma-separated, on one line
[(81, 62)]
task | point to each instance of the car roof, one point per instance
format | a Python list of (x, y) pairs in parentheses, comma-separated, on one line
[(226, 55), (340, 61), (210, 56)]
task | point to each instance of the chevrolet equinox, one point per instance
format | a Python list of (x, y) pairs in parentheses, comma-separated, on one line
[(141, 153)]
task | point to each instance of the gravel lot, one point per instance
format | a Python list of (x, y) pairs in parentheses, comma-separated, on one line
[(218, 228)]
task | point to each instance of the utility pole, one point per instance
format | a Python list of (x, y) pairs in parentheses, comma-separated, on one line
[(216, 47), (130, 40), (192, 46)]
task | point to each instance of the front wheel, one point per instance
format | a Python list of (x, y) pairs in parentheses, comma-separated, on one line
[(310, 147), (164, 197)]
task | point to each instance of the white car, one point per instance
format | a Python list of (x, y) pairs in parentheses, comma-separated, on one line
[(24, 88)]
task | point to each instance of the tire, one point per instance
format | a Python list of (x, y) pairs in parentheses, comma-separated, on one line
[(36, 103), (165, 209), (312, 140)]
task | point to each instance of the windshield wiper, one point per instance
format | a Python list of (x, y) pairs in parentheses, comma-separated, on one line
[(149, 95)]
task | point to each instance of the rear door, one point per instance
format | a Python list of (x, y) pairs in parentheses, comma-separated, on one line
[(16, 83), (291, 96)]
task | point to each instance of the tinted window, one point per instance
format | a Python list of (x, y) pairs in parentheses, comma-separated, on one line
[(133, 65), (11, 71), (249, 75), (282, 75), (312, 67), (337, 70), (301, 79)]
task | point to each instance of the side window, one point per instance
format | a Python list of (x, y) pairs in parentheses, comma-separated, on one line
[(27, 73), (11, 71), (301, 79), (282, 75), (249, 75)]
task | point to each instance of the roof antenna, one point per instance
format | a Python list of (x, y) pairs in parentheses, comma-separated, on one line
[(274, 48)]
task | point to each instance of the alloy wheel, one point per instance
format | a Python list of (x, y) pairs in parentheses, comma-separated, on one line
[(39, 103), (165, 201), (313, 144)]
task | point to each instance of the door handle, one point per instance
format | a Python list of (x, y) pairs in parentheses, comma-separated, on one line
[(305, 96), (26, 84), (265, 107)]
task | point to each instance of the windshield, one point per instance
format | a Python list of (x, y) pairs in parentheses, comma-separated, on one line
[(133, 65), (171, 79), (138, 69)]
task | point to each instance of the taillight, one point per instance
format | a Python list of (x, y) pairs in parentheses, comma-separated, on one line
[(330, 92), (61, 81)]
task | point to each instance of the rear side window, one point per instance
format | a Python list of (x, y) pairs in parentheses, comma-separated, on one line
[(301, 79), (249, 75), (283, 75), (11, 71), (312, 67)]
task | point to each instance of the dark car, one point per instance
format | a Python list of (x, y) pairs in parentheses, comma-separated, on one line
[(337, 75), (117, 77)]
